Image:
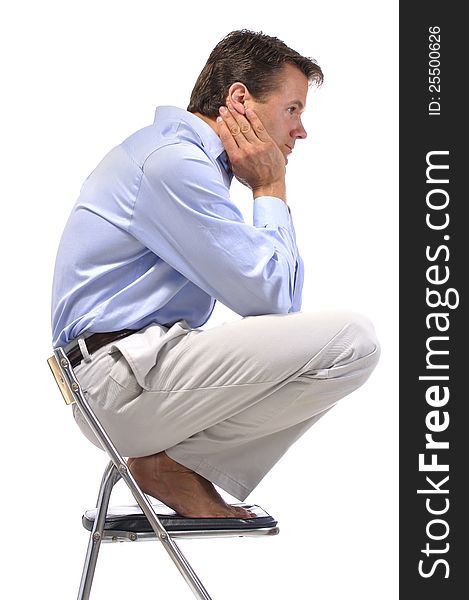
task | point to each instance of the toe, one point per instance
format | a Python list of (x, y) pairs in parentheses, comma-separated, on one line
[(244, 513)]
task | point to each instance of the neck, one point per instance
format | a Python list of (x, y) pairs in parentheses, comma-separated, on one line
[(211, 121)]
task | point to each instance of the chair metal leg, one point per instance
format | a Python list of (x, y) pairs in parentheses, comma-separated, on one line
[(110, 478), (168, 543)]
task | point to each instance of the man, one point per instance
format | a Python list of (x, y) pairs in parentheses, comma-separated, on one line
[(154, 240)]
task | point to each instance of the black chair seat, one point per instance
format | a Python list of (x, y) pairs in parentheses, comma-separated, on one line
[(131, 518)]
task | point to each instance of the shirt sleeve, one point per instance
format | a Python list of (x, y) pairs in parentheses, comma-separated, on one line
[(183, 213), (272, 213)]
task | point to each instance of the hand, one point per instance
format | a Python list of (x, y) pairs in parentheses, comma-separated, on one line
[(255, 158)]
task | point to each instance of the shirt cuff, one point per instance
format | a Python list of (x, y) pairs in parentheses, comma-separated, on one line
[(270, 211)]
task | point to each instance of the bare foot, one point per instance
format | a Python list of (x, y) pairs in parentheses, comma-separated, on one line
[(180, 488)]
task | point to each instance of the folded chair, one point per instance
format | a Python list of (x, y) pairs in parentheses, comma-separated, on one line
[(143, 520)]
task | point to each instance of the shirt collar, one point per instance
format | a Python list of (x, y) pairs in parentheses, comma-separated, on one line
[(207, 136)]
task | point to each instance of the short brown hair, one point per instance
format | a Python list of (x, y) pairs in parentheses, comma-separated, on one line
[(252, 58)]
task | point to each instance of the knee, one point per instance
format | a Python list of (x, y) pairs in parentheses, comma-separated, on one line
[(357, 340), (364, 334)]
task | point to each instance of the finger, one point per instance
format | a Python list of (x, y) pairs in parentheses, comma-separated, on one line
[(227, 139), (243, 124), (257, 126), (233, 127)]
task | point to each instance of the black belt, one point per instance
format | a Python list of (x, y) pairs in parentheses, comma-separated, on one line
[(94, 342)]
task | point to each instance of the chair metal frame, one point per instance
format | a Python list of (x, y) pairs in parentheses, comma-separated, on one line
[(117, 469)]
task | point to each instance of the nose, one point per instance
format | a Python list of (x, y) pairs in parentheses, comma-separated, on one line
[(299, 131)]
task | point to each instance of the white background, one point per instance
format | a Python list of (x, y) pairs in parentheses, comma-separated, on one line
[(77, 78)]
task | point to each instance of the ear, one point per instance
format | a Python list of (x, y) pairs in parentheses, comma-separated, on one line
[(237, 95)]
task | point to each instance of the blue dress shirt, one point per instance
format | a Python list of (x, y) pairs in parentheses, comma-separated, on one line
[(155, 238)]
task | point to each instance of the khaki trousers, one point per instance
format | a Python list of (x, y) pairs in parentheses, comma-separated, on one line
[(229, 401)]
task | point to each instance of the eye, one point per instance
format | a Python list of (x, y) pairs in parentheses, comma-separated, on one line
[(291, 109)]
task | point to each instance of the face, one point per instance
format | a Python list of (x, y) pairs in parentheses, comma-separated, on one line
[(281, 111)]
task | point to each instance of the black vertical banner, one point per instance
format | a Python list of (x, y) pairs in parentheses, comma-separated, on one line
[(434, 259)]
